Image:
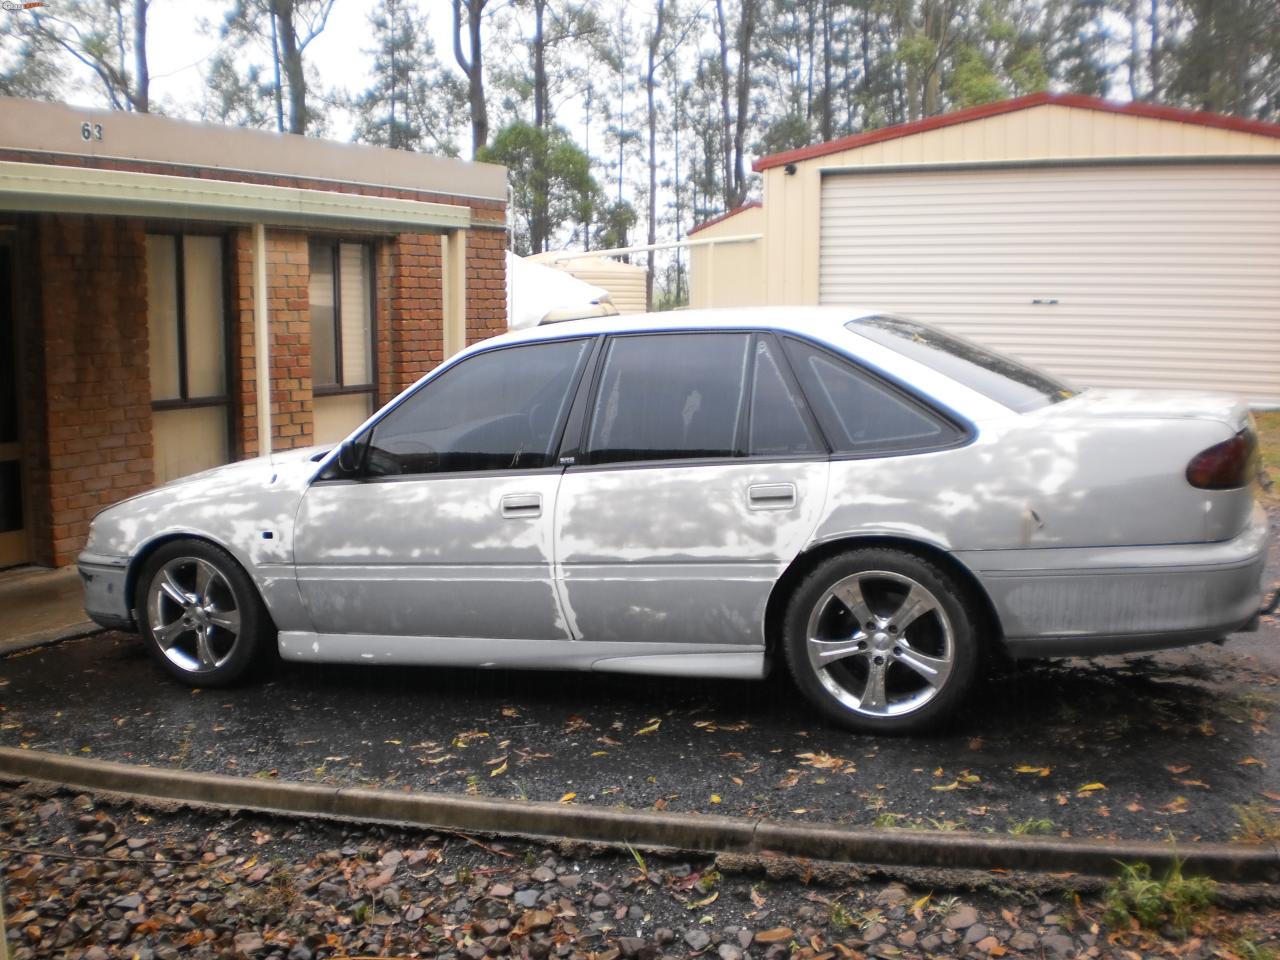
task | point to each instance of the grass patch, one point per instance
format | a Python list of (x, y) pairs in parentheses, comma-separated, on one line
[(1269, 443), (1258, 823), (1025, 828), (1137, 897)]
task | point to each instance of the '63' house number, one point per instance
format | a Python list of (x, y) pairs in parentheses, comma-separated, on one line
[(91, 131)]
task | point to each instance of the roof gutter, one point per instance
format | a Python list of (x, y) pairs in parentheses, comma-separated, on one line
[(42, 188)]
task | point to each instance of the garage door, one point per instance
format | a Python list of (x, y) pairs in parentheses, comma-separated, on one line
[(1148, 276)]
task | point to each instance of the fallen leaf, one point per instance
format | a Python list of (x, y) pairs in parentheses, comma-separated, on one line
[(510, 713), (1091, 787), (499, 770), (715, 798), (704, 903), (1195, 783), (975, 743), (568, 796), (944, 787), (1182, 768), (1026, 768), (757, 899), (1251, 762), (651, 728)]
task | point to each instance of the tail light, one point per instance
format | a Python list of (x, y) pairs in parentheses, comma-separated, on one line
[(1225, 466)]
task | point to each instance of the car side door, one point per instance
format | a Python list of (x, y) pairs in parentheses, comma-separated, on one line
[(443, 530), (699, 477)]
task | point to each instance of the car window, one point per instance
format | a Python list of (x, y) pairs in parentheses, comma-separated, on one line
[(667, 396), (858, 413), (495, 411), (1002, 379), (777, 423)]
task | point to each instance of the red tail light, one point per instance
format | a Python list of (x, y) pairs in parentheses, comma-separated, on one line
[(1225, 466)]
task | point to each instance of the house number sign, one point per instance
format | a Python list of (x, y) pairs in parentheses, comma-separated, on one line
[(91, 131)]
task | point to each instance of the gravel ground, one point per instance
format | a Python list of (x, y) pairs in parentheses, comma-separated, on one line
[(88, 878)]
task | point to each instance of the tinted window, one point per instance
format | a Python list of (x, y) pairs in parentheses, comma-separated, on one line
[(494, 411), (1005, 381), (778, 426), (667, 396), (858, 413)]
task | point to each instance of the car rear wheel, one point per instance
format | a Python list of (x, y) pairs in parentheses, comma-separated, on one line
[(882, 641), (200, 614)]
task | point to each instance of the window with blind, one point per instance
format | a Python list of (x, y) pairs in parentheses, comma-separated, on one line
[(342, 344), (187, 326)]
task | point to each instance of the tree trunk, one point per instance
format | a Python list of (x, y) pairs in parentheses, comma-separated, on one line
[(141, 95), (1135, 46), (828, 125), (746, 33), (472, 67), (291, 61), (1154, 52), (726, 147), (655, 40), (539, 66)]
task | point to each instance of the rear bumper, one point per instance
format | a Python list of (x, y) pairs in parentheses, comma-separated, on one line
[(106, 598), (1093, 601)]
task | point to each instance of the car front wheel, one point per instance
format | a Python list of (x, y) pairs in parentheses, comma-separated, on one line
[(881, 641), (200, 614)]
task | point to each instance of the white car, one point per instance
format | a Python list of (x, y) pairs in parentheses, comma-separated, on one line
[(878, 503)]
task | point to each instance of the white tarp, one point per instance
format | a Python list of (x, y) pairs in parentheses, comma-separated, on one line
[(535, 291)]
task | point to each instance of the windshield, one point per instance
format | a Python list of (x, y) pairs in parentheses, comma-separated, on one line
[(1005, 381)]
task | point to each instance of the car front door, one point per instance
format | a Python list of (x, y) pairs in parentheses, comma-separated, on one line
[(700, 477), (444, 529)]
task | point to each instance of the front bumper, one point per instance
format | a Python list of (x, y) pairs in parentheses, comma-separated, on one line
[(1093, 601), (106, 598)]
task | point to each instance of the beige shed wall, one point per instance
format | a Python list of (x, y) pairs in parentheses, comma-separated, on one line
[(624, 281), (728, 274), (792, 203)]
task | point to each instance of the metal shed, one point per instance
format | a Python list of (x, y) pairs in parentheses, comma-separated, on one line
[(1113, 244)]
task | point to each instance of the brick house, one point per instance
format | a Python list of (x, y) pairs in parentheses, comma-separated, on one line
[(175, 296)]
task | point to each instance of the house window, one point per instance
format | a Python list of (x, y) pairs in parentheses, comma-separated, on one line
[(187, 324), (342, 344)]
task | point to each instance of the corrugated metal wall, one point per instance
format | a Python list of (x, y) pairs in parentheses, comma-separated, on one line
[(624, 281), (1163, 276)]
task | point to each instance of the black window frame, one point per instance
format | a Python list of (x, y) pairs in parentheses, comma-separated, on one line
[(184, 401), (963, 430), (370, 247), (332, 472)]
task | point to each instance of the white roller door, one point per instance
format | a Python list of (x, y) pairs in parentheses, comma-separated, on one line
[(1145, 275)]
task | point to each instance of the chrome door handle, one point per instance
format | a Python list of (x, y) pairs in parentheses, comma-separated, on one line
[(771, 496), (516, 506)]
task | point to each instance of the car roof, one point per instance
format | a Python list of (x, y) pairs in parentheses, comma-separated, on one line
[(813, 320)]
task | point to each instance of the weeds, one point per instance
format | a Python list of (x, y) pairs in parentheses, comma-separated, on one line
[(1257, 822), (1174, 900), (841, 919), (886, 820), (1023, 828)]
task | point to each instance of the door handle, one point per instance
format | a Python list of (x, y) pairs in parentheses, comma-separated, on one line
[(771, 496), (516, 506)]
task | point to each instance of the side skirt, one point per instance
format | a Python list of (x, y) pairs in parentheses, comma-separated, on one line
[(734, 661)]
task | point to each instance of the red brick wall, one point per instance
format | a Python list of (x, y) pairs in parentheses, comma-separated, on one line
[(244, 388), (486, 284), (288, 300), (96, 382), (410, 327)]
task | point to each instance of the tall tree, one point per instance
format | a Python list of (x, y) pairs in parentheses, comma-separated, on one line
[(1229, 59), (286, 28), (110, 38), (471, 62), (650, 86), (32, 68), (410, 105)]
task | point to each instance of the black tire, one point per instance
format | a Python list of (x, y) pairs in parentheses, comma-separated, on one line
[(927, 667), (193, 639)]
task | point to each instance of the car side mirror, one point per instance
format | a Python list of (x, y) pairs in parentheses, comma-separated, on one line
[(348, 457)]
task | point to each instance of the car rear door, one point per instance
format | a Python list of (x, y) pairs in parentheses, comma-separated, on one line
[(699, 477)]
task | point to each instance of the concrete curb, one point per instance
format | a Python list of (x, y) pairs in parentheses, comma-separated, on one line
[(691, 832), (44, 638)]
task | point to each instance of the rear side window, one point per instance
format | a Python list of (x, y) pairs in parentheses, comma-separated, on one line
[(777, 426), (860, 414), (670, 396), (1004, 380)]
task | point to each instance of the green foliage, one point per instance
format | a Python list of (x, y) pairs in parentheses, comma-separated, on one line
[(551, 181), (973, 81), (1022, 828), (1175, 900)]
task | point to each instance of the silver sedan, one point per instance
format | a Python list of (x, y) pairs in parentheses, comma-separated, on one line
[(877, 503)]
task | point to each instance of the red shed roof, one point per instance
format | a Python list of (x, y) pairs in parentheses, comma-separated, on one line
[(723, 217), (1079, 101)]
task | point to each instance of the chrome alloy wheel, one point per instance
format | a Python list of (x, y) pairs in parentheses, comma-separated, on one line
[(192, 614), (880, 643)]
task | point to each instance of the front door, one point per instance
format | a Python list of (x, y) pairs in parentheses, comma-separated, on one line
[(445, 528), (13, 532), (701, 479)]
